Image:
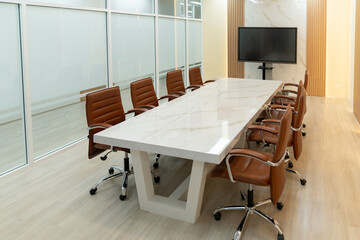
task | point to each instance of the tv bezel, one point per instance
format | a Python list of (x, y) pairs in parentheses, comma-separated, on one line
[(261, 61)]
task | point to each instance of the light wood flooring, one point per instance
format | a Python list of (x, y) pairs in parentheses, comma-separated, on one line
[(50, 199)]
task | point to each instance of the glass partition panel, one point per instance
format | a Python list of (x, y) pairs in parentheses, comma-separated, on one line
[(171, 49), (172, 8), (194, 9), (67, 59), (12, 150), (195, 42), (133, 6), (78, 3), (133, 51)]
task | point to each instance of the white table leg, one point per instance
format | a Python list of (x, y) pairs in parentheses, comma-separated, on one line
[(164, 206), (196, 191), (143, 179)]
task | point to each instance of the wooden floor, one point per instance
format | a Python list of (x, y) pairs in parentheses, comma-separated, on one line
[(50, 199)]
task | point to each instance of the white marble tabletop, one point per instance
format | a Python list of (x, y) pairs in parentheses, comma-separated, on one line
[(202, 125)]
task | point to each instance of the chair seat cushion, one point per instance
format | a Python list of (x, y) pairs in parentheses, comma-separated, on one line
[(268, 137), (246, 169)]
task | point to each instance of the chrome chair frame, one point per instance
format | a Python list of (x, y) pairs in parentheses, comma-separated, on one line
[(250, 207)]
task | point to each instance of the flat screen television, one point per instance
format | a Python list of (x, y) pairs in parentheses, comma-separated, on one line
[(267, 45)]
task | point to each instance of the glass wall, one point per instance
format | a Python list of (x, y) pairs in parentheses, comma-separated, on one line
[(78, 3), (171, 49), (67, 56), (60, 50), (194, 9), (133, 53), (195, 43), (133, 6), (12, 150), (172, 8)]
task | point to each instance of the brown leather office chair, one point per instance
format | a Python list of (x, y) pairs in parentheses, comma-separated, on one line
[(290, 93), (175, 83), (195, 77), (295, 139), (306, 79), (143, 96), (290, 98), (103, 110), (258, 168)]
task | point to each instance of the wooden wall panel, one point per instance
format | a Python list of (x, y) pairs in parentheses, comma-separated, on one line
[(236, 18), (316, 47), (357, 63)]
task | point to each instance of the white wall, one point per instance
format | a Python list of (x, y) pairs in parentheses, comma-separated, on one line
[(352, 52), (215, 57), (338, 48), (280, 13)]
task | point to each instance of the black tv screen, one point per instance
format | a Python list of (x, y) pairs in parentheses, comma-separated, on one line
[(271, 45)]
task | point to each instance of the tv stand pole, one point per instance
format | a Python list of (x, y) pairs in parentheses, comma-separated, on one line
[(264, 68)]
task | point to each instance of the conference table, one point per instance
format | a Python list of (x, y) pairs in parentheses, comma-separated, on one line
[(202, 126)]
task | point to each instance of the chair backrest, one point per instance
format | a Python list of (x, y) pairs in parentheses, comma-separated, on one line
[(174, 82), (306, 79), (277, 175), (297, 100), (298, 117), (195, 76), (143, 93), (103, 106)]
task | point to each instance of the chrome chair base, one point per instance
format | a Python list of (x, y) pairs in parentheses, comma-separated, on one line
[(250, 208), (302, 180), (290, 170), (126, 172)]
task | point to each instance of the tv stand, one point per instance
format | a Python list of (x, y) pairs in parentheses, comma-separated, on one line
[(264, 68)]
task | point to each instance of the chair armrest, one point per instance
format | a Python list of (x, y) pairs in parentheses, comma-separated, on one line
[(289, 91), (290, 85), (280, 107), (178, 93), (249, 153), (169, 96), (99, 125), (273, 121), (137, 110), (285, 97), (193, 87), (209, 81), (253, 155), (147, 106), (263, 128)]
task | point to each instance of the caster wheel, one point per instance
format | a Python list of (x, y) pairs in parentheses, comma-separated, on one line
[(287, 156), (257, 142), (111, 171), (303, 182), (93, 191), (103, 158), (156, 165), (217, 216), (304, 125), (157, 179), (242, 196), (280, 237), (122, 197), (304, 134), (279, 205), (290, 165)]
